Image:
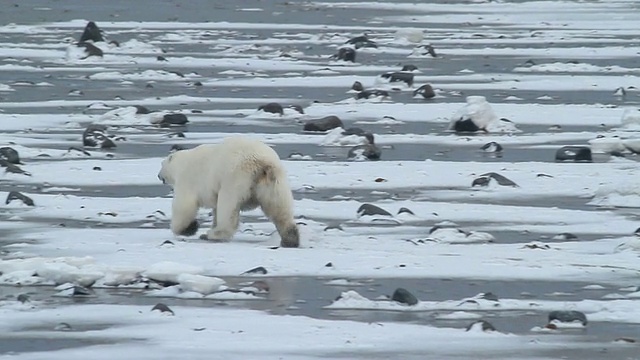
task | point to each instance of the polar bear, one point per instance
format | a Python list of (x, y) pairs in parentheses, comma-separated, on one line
[(235, 175)]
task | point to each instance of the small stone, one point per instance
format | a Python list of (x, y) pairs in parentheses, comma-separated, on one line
[(565, 236), (484, 180), (91, 33), (23, 298), (409, 67), (161, 58), (167, 242), (345, 54), (10, 154), (174, 119), (63, 326), (489, 296), (481, 324), (297, 108), (90, 49), (366, 94), (273, 108), (323, 124), (403, 296), (162, 308), (14, 195), (491, 147), (97, 168), (257, 270), (625, 340), (357, 86), (81, 291), (465, 125), (574, 153), (426, 91), (405, 210), (329, 264), (362, 41), (367, 151), (404, 77), (370, 210), (379, 180), (142, 109), (568, 316), (12, 168)]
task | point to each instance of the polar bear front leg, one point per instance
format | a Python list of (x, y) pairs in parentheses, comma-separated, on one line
[(227, 217), (184, 210)]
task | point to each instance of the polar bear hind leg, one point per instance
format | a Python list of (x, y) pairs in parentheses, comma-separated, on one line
[(231, 197), (183, 214), (276, 201)]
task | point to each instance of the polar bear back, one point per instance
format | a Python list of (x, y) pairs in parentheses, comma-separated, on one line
[(206, 166)]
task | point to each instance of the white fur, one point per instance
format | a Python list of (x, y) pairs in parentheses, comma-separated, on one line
[(238, 174)]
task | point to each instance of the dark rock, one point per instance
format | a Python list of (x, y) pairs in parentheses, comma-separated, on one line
[(486, 326), (465, 125), (370, 209), (191, 229), (366, 94), (637, 232), (174, 119), (161, 58), (403, 296), (500, 179), (324, 124), (23, 298), (63, 326), (162, 308), (485, 179), (90, 49), (329, 264), (574, 153), (489, 296), (96, 135), (369, 151), (10, 154), (345, 54), (353, 131), (257, 270), (297, 108), (91, 33), (273, 108), (405, 210), (142, 109), (409, 67), (81, 291), (426, 91), (175, 148), (438, 227), (568, 316), (97, 168), (565, 236), (82, 151), (481, 181), (357, 86), (492, 147), (427, 49), (362, 41), (12, 168), (14, 195), (404, 77)]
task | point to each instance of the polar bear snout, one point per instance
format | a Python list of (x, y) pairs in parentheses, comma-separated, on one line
[(161, 178)]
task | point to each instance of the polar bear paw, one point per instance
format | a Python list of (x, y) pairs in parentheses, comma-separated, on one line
[(216, 235), (190, 230), (290, 238)]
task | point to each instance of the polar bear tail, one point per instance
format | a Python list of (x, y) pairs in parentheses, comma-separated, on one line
[(274, 195)]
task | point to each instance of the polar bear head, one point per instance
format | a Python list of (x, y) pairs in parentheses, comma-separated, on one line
[(169, 169)]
